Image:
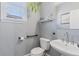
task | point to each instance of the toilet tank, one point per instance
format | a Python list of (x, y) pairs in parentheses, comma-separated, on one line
[(45, 43)]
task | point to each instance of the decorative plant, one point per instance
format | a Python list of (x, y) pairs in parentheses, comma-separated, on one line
[(34, 6)]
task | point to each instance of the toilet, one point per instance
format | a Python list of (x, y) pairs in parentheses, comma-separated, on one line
[(44, 46)]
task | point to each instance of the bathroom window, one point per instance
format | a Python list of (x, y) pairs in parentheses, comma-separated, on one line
[(15, 11)]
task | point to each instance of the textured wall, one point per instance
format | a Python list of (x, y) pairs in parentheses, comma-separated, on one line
[(73, 34), (9, 33), (47, 28)]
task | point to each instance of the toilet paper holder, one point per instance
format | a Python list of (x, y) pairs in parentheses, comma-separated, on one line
[(21, 38)]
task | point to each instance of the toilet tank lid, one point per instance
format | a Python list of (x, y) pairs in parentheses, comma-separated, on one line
[(45, 39)]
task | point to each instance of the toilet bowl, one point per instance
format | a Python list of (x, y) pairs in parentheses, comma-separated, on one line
[(37, 51), (40, 51)]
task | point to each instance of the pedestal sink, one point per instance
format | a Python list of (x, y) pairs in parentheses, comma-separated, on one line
[(64, 49)]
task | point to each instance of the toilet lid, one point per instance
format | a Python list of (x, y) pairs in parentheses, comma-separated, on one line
[(37, 50)]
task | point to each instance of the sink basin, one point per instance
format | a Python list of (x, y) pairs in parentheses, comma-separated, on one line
[(64, 49)]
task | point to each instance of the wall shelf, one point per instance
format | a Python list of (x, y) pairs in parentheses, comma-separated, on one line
[(46, 20)]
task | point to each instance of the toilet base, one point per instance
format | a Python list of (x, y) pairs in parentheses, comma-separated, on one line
[(29, 54)]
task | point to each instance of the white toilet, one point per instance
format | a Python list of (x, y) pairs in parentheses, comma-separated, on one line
[(44, 46)]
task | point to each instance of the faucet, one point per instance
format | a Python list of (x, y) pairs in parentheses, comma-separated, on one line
[(67, 37), (72, 40)]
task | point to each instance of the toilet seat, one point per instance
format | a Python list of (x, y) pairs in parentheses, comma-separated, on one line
[(37, 51)]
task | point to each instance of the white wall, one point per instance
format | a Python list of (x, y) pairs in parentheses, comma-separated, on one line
[(9, 33), (7, 39), (47, 9)]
